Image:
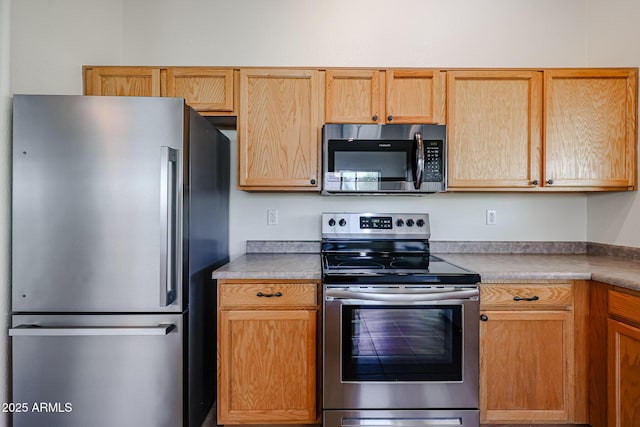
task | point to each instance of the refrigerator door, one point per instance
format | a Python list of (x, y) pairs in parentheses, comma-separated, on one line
[(97, 212), (98, 370)]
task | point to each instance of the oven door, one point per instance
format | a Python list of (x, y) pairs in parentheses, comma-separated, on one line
[(385, 350)]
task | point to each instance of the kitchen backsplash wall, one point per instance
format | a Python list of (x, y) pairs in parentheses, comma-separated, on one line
[(453, 216)]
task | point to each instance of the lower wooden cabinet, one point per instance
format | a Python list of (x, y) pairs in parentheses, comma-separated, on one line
[(623, 360), (529, 371), (267, 352)]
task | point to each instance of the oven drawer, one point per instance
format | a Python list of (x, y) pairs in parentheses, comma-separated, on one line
[(266, 294), (526, 295)]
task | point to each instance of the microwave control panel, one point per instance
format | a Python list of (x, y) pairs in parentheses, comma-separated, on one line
[(433, 161)]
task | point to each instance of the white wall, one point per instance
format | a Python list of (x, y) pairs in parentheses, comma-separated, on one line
[(5, 201), (612, 40)]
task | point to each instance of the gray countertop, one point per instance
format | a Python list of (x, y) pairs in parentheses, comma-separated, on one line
[(607, 269)]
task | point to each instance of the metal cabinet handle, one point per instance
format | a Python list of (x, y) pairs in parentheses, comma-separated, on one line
[(484, 317), (533, 298), (277, 294), (535, 182), (390, 118), (550, 181), (375, 118), (168, 225), (41, 331), (313, 181)]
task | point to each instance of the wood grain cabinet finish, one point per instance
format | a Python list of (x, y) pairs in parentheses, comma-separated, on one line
[(210, 91), (383, 96), (590, 139), (623, 360), (528, 369), (279, 130), (494, 123), (267, 352), (121, 81)]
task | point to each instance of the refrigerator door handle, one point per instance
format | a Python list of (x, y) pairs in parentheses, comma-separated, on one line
[(168, 225), (39, 331)]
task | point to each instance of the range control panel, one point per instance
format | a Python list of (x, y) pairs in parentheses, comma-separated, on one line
[(393, 225)]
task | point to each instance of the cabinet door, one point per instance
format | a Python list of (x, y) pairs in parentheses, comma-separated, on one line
[(590, 128), (494, 126), (122, 81), (526, 366), (204, 89), (413, 96), (624, 374), (279, 130), (267, 367), (354, 96)]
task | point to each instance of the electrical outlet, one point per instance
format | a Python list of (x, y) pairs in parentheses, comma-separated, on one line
[(272, 216), (491, 217)]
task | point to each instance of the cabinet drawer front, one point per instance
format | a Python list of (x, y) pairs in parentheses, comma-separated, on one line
[(624, 306), (265, 295), (526, 295)]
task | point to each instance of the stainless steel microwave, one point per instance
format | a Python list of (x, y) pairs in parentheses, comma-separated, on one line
[(384, 159)]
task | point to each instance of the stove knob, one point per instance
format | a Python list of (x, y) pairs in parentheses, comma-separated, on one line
[(342, 222), (332, 222), (399, 222), (420, 222), (409, 223)]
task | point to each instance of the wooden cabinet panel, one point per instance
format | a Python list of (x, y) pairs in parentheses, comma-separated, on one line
[(590, 122), (526, 366), (624, 374), (268, 352), (494, 129), (122, 81), (412, 96), (265, 295), (204, 89), (267, 367), (354, 96), (532, 296), (278, 130)]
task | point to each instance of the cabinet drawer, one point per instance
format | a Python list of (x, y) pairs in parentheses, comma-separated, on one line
[(526, 295), (265, 295), (624, 306)]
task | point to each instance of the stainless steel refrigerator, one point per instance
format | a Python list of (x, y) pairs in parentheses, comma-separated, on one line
[(120, 213)]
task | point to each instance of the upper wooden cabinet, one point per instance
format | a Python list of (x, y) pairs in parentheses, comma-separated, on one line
[(207, 90), (391, 96), (551, 130), (591, 128), (494, 129), (210, 91), (279, 129), (121, 81)]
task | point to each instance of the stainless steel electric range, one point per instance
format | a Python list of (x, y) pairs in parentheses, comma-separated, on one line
[(400, 326)]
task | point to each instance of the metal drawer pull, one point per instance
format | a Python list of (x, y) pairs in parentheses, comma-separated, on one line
[(44, 331), (277, 294), (533, 298)]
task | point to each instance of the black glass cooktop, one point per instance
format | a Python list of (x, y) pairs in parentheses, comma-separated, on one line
[(382, 268)]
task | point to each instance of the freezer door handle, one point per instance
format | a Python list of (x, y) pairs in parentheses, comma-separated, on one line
[(45, 331), (168, 225)]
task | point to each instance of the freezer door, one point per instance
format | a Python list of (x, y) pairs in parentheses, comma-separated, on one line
[(97, 212), (100, 371)]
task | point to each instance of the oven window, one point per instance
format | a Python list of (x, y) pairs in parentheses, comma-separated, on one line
[(402, 343)]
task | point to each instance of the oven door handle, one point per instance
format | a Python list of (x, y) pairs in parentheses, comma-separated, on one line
[(409, 297)]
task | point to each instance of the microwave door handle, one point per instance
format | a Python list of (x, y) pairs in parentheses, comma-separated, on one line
[(419, 160)]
